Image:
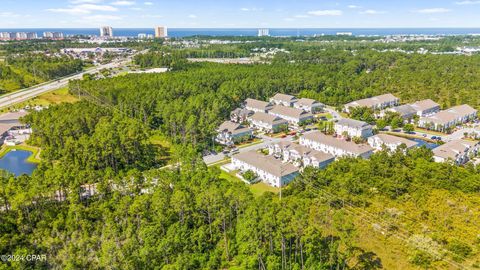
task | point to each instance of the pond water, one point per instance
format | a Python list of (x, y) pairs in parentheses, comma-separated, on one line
[(429, 145), (16, 162)]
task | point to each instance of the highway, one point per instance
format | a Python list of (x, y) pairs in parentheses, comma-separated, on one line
[(26, 94)]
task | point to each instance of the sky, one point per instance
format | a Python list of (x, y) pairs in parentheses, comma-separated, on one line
[(239, 13)]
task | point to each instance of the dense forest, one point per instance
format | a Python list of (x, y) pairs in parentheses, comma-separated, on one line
[(24, 71), (188, 104), (393, 211)]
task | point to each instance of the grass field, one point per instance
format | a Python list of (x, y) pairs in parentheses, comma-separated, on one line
[(257, 189), (34, 158), (51, 98)]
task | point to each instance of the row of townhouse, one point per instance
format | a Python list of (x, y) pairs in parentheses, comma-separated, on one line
[(444, 120), (353, 128), (230, 133), (335, 146), (376, 103), (305, 104), (457, 151), (269, 169), (271, 117), (421, 108), (390, 142), (300, 156)]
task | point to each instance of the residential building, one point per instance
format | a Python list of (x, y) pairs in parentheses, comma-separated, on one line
[(309, 105), (21, 35), (457, 151), (264, 32), (445, 120), (53, 35), (284, 100), (267, 122), (257, 105), (353, 128), (106, 31), (292, 115), (299, 155), (240, 115), (4, 35), (464, 112), (425, 107), (32, 35), (161, 32), (390, 142), (230, 133), (334, 146), (142, 36), (270, 170), (407, 112), (376, 103)]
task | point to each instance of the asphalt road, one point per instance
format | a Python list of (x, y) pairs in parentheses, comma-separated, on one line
[(26, 94), (266, 141)]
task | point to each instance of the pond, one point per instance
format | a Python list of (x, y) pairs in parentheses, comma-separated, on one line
[(428, 145), (16, 162)]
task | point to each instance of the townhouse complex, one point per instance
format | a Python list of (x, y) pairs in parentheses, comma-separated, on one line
[(283, 160)]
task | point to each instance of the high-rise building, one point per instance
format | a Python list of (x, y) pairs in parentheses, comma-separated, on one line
[(264, 32), (106, 31), (142, 36), (21, 35), (32, 35), (53, 35), (161, 32)]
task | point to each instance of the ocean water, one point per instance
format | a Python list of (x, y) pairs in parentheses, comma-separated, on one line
[(292, 32)]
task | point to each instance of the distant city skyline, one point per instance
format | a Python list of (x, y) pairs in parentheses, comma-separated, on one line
[(239, 14)]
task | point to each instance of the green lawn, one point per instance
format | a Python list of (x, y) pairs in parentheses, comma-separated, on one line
[(34, 158), (55, 97), (257, 189), (325, 114)]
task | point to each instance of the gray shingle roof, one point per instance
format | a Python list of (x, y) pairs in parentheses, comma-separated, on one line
[(267, 163)]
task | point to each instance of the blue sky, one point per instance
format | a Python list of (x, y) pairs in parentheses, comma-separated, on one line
[(239, 13)]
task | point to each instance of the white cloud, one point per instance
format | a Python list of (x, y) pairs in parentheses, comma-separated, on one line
[(289, 19), (192, 16), (245, 9), (353, 6), (467, 2), (148, 3), (102, 18), (85, 1), (8, 14), (372, 12), (82, 9), (301, 16), (71, 11), (327, 12), (123, 3), (432, 10), (152, 16)]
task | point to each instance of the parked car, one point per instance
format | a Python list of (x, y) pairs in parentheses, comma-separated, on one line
[(434, 137), (424, 135)]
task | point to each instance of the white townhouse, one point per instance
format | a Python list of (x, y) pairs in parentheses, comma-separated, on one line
[(257, 105), (309, 105), (390, 142), (299, 155), (267, 122), (240, 115), (407, 112), (425, 107), (334, 146), (443, 120), (270, 170), (230, 133), (457, 151), (353, 128), (376, 103), (292, 115), (284, 100)]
